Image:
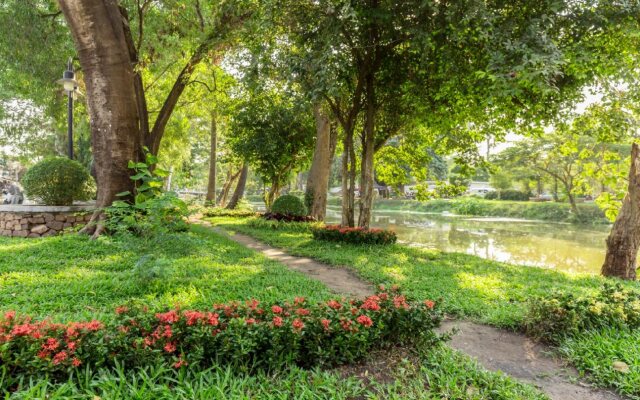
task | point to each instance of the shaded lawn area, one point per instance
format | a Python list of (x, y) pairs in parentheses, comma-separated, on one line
[(486, 291), (72, 277), (471, 287)]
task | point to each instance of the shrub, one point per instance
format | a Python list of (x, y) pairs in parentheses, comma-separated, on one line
[(58, 182), (565, 314), (294, 226), (336, 233), (250, 335), (223, 212), (493, 195), (289, 205), (511, 195)]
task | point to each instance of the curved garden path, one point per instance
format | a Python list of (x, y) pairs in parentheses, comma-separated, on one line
[(495, 349)]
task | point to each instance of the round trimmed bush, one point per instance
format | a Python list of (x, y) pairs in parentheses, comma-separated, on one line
[(289, 205), (58, 181)]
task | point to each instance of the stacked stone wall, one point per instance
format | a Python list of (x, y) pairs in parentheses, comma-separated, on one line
[(40, 223)]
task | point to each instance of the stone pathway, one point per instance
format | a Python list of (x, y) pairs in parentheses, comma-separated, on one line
[(495, 349)]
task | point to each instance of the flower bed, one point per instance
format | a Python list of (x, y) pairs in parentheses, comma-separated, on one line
[(336, 233), (565, 314), (249, 336)]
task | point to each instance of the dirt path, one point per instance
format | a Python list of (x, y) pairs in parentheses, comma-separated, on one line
[(495, 349)]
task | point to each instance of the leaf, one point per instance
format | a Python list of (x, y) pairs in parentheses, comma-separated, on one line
[(122, 194), (621, 367), (138, 176)]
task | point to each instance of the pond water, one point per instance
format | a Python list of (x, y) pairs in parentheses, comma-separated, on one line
[(567, 247)]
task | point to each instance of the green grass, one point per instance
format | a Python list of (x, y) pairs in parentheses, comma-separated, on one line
[(72, 278), (547, 211), (597, 351), (471, 287)]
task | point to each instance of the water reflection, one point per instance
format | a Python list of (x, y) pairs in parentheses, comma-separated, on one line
[(556, 246)]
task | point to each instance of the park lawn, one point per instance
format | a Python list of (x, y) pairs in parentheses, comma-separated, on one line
[(72, 278), (470, 287)]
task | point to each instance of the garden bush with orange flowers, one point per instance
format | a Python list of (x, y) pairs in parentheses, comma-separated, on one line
[(247, 336), (336, 233)]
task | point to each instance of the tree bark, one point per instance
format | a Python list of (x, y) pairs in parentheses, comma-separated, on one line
[(318, 179), (366, 164), (111, 98), (238, 193), (211, 186), (231, 178), (624, 240), (348, 180), (272, 194)]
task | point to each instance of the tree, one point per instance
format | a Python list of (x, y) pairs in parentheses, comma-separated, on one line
[(213, 156), (273, 132), (318, 179), (238, 193)]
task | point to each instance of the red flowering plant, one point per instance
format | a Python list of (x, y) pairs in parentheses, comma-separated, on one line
[(248, 335), (336, 233)]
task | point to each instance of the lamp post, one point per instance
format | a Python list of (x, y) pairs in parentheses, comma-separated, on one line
[(70, 85)]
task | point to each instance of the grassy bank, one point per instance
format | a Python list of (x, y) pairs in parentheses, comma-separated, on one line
[(470, 287), (73, 278), (547, 211)]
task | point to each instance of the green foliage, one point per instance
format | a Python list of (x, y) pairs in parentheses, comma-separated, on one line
[(249, 337), (58, 182), (336, 233), (153, 210), (443, 190), (223, 212), (561, 315), (508, 195), (294, 226), (289, 205)]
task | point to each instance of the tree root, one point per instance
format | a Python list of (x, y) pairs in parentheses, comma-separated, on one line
[(95, 227)]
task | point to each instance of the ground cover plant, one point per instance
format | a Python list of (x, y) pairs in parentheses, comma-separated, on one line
[(485, 291), (336, 233)]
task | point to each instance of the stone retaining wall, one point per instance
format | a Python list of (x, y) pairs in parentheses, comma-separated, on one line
[(39, 221)]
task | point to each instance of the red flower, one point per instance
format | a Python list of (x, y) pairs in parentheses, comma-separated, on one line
[(334, 304), (371, 303), (22, 330), (298, 301), (212, 319), (400, 302), (72, 346), (250, 321), (180, 363), (383, 296), (170, 347), (193, 317), (430, 304), (325, 324), (121, 309), (277, 321), (169, 317), (51, 344), (346, 324), (167, 331), (253, 304), (381, 288), (276, 309), (9, 316), (60, 357), (297, 324), (302, 311), (43, 354), (364, 320), (94, 325), (76, 362)]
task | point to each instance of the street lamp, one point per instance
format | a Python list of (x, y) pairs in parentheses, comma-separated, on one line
[(70, 85)]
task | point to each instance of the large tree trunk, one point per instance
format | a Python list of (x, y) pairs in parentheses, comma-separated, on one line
[(366, 165), (624, 240), (318, 180), (239, 192), (97, 28), (271, 195), (348, 180), (211, 186)]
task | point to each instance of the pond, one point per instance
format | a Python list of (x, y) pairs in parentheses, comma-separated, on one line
[(567, 247)]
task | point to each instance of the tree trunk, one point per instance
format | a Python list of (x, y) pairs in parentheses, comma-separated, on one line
[(348, 180), (211, 186), (239, 192), (555, 190), (624, 240), (231, 178), (272, 194), (366, 165), (318, 179), (98, 33)]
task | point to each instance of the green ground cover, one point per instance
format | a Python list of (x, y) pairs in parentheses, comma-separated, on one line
[(73, 278), (470, 287), (546, 211)]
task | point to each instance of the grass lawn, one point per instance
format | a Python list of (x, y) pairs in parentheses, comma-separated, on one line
[(470, 287), (73, 278)]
